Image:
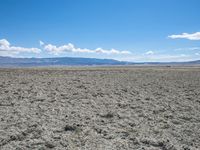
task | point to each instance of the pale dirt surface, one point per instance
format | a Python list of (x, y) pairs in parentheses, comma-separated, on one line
[(141, 108)]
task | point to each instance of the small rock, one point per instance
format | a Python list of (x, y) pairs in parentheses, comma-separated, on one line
[(108, 115), (49, 145), (70, 128)]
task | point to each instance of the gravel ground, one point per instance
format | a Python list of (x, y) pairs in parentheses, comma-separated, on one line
[(110, 108)]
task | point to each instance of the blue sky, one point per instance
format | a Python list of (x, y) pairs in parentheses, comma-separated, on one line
[(132, 30)]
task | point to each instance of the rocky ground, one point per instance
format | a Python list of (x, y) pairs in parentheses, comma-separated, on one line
[(110, 108)]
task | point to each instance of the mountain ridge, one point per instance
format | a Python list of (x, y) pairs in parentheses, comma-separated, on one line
[(78, 61), (71, 61)]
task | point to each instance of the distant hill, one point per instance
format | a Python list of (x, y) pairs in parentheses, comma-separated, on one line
[(59, 61), (194, 62), (77, 61)]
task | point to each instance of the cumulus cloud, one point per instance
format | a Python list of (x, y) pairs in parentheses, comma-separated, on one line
[(149, 53), (4, 42), (52, 49), (193, 36), (7, 49)]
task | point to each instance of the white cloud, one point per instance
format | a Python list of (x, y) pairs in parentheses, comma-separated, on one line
[(7, 49), (193, 36), (149, 53), (160, 58), (41, 43), (189, 48), (194, 48), (112, 51), (52, 49), (4, 42), (197, 54)]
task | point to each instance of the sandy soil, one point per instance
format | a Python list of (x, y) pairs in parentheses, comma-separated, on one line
[(147, 108)]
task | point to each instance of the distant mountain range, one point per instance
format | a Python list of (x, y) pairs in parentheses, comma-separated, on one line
[(59, 61), (76, 61)]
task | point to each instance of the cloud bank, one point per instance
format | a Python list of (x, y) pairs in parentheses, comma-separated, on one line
[(188, 49), (193, 36), (7, 49), (52, 49), (161, 58)]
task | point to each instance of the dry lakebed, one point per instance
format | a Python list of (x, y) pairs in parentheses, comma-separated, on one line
[(100, 108)]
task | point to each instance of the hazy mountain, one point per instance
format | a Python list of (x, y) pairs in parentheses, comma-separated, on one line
[(71, 61), (77, 61)]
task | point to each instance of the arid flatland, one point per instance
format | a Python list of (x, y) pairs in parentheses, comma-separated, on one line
[(142, 108)]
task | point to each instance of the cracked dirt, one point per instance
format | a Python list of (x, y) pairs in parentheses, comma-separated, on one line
[(142, 108)]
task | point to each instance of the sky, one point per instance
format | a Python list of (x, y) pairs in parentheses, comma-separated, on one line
[(127, 30)]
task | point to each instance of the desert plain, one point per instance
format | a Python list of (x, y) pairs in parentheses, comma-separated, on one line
[(100, 108)]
